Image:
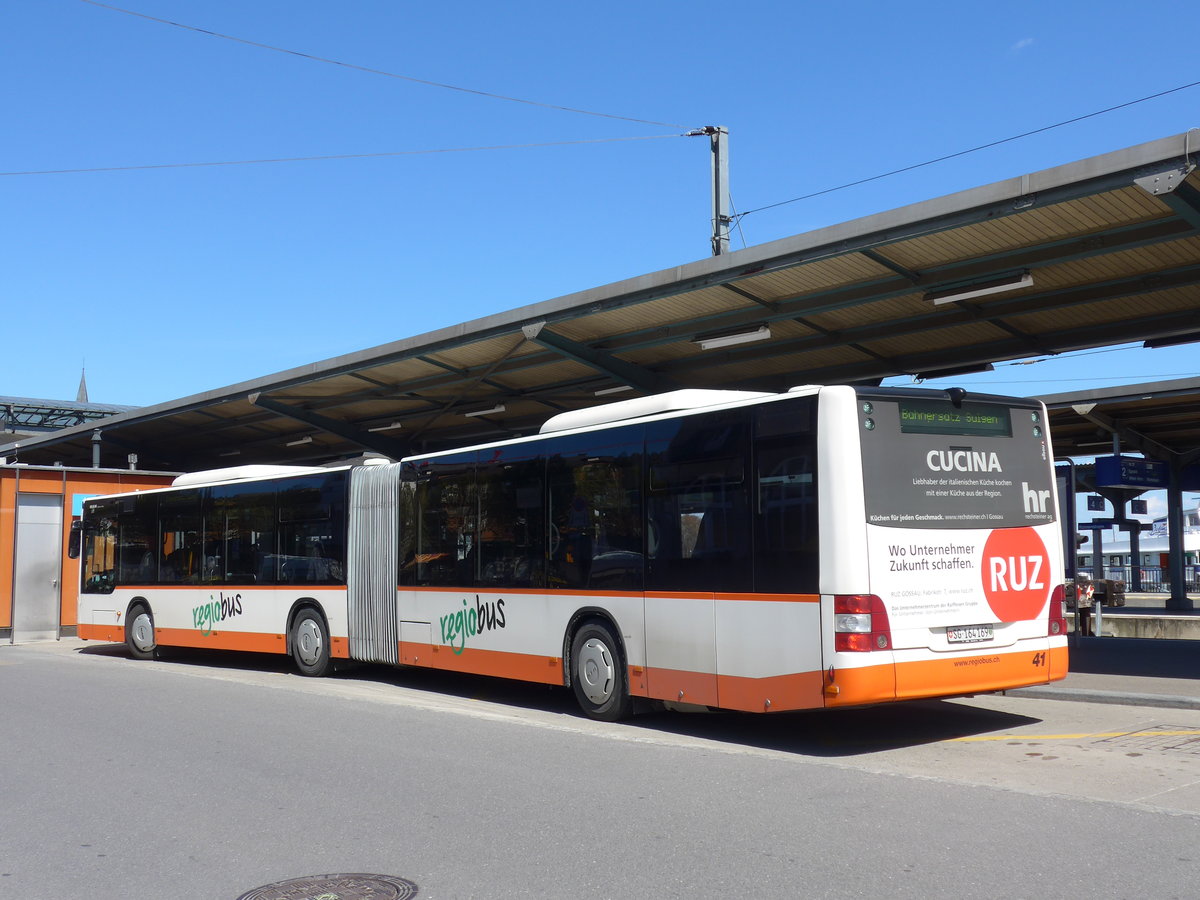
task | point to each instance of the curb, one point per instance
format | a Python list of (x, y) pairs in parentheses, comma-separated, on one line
[(1083, 695)]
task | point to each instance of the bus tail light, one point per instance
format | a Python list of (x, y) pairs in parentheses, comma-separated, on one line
[(1058, 619), (860, 623)]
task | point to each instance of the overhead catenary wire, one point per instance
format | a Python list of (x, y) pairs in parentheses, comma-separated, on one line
[(373, 71), (737, 222), (1059, 357), (955, 155), (1056, 380), (283, 159)]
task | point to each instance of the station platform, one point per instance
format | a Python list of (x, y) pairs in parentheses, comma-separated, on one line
[(1145, 616), (1128, 671)]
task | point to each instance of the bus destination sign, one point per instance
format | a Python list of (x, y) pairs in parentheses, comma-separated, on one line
[(943, 417)]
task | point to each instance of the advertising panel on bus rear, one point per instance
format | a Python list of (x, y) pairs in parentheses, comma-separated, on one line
[(960, 509)]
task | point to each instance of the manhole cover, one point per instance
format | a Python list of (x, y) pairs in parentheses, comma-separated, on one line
[(335, 887)]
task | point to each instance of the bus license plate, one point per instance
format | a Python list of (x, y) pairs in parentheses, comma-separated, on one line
[(969, 634)]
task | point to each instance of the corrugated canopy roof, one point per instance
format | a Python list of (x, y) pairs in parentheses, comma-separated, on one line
[(1160, 419), (1101, 251)]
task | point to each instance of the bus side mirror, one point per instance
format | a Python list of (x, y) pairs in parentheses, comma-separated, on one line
[(75, 544)]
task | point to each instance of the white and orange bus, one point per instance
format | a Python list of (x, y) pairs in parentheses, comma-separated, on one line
[(830, 546)]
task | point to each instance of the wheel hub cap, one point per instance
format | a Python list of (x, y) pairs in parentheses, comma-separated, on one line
[(596, 671), (308, 642), (143, 632)]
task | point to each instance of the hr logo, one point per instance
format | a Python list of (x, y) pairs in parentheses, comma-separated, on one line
[(1035, 501)]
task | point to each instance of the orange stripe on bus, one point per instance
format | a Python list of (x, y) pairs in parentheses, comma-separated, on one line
[(114, 633), (475, 661), (735, 596), (977, 674), (293, 588), (772, 598), (252, 642), (649, 595), (551, 592), (1059, 657), (796, 690), (681, 686), (800, 690)]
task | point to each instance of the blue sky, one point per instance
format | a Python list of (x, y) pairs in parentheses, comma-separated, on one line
[(173, 281)]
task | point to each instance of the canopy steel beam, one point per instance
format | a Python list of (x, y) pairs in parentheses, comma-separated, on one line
[(380, 444), (814, 302), (1185, 201), (1130, 436), (617, 369), (949, 316), (1009, 348)]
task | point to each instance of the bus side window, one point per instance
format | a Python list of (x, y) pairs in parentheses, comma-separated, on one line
[(786, 529), (99, 566), (181, 538), (595, 539), (439, 546), (512, 521), (697, 503), (241, 534), (138, 557), (312, 530)]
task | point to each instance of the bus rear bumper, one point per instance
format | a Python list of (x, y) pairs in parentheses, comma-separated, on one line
[(980, 673)]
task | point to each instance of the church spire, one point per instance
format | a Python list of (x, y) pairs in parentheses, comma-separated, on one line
[(81, 395)]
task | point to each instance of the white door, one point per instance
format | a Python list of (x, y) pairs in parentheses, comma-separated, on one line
[(38, 567)]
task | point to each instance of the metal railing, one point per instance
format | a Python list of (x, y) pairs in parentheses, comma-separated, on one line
[(1153, 577)]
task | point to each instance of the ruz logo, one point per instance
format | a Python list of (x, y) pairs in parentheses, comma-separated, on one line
[(1016, 574)]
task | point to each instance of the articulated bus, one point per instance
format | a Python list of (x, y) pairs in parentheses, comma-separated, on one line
[(825, 547)]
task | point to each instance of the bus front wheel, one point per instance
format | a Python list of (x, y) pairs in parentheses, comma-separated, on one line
[(310, 644), (598, 673), (139, 632)]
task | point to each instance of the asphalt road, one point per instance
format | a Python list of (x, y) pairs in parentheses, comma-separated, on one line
[(206, 775)]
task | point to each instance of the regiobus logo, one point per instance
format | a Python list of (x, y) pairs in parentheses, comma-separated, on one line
[(1016, 574)]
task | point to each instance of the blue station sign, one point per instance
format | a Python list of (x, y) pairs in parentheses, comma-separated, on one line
[(1131, 473)]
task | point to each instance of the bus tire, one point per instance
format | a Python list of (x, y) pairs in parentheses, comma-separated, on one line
[(310, 644), (598, 673), (139, 632)]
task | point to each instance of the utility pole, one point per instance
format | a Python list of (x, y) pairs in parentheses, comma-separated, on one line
[(719, 145)]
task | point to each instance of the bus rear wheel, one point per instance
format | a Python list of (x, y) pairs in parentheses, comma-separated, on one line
[(139, 632), (598, 673), (310, 644)]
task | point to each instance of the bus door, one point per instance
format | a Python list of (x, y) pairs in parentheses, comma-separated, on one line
[(697, 547)]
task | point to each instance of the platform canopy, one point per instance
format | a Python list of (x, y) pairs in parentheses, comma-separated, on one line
[(1159, 419), (1101, 251), (26, 415)]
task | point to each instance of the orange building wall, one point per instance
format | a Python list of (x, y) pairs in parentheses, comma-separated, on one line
[(65, 483)]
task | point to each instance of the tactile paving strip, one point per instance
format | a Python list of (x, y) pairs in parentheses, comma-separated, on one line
[(1172, 738)]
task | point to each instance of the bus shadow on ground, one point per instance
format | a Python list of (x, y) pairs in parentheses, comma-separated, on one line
[(843, 732), (817, 733), (211, 659)]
